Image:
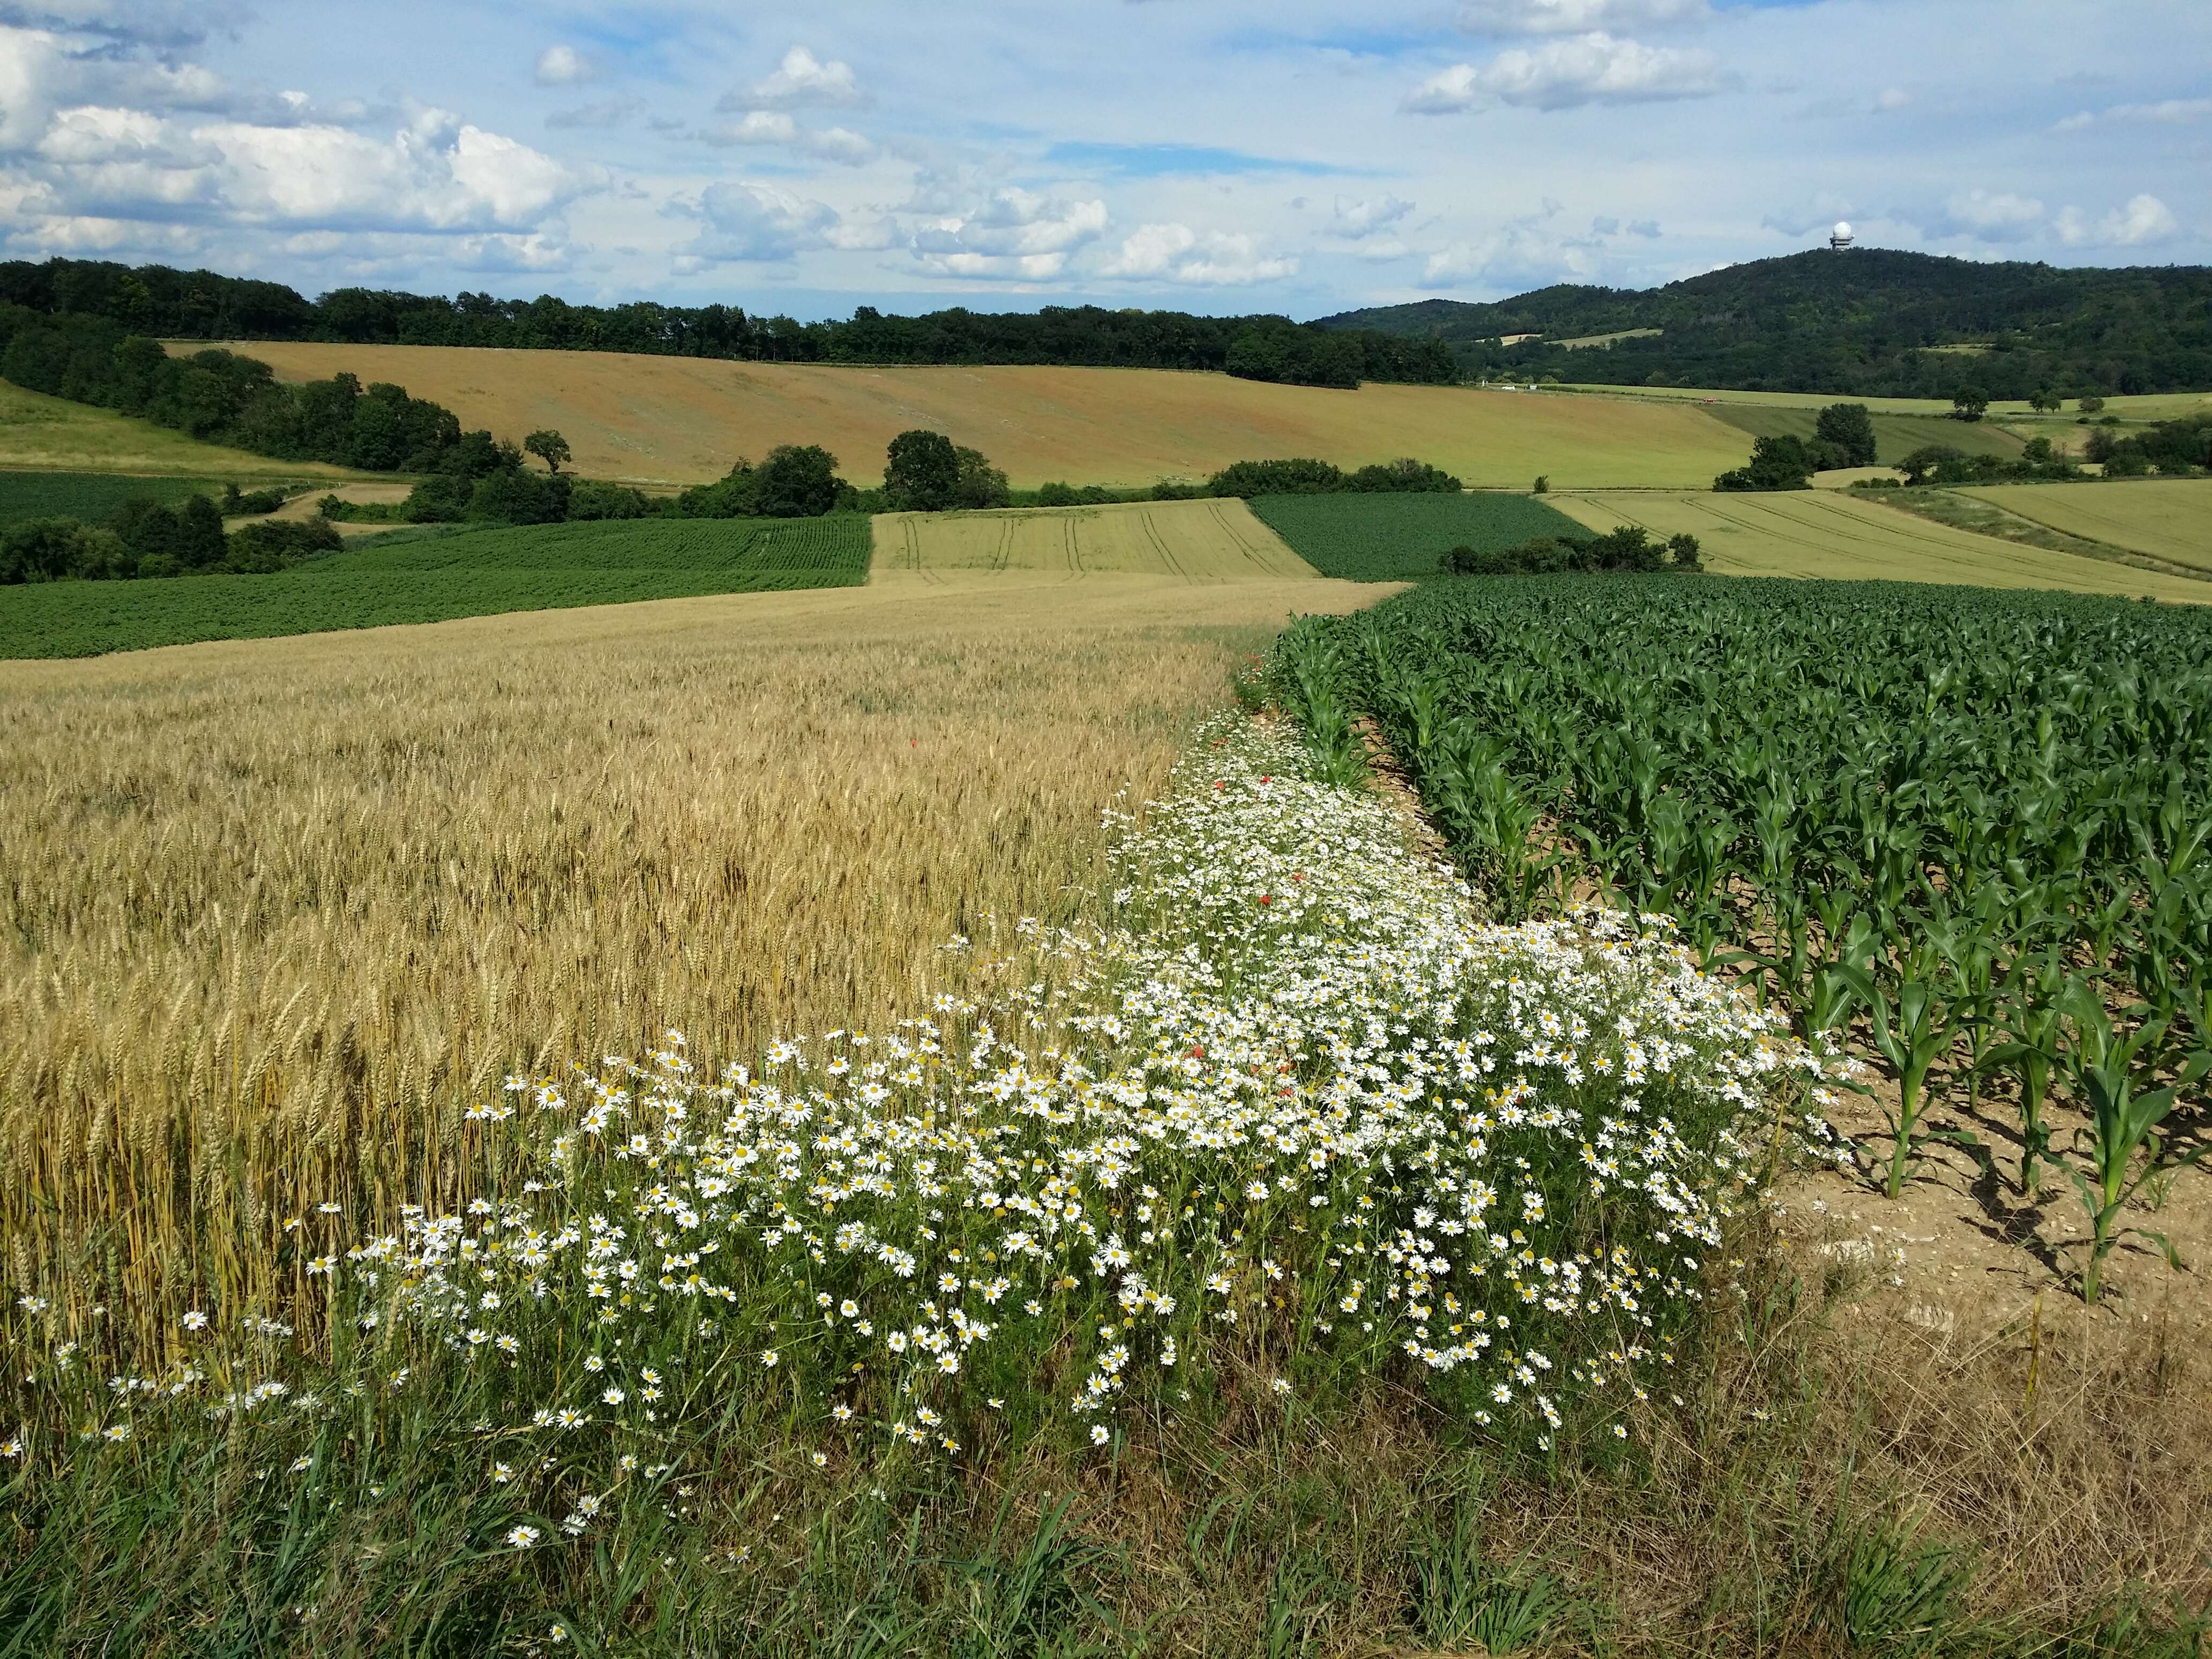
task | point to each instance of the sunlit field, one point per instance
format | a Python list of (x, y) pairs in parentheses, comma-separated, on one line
[(1829, 533), (685, 419)]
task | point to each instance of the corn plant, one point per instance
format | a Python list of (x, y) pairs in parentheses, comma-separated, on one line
[(2104, 1069), (1911, 1031), (2031, 1051)]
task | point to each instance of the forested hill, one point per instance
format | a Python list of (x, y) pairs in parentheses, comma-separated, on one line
[(1870, 322), (203, 305)]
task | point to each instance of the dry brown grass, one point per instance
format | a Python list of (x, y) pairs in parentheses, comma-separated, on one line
[(279, 910), (685, 419)]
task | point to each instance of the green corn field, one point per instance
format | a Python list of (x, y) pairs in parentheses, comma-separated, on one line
[(1964, 830)]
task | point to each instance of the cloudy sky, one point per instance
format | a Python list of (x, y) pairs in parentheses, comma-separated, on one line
[(1208, 154)]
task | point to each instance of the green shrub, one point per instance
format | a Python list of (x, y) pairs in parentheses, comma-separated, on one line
[(1776, 463), (1628, 548), (590, 499), (237, 503), (60, 550)]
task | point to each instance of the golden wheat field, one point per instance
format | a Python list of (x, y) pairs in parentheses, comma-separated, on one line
[(1834, 534), (681, 420), (280, 910), (1199, 541)]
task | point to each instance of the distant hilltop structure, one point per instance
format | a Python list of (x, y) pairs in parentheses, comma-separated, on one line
[(1839, 237)]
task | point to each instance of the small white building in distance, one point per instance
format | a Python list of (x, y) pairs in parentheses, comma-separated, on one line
[(1839, 237)]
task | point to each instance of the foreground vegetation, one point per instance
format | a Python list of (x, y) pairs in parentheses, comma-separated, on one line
[(1254, 1487), (473, 573), (1227, 1148)]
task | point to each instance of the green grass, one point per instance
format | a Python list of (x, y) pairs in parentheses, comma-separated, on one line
[(1391, 538), (88, 495), (471, 573), (1895, 436)]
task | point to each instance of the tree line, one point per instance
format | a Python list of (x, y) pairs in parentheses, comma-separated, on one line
[(222, 397), (165, 303), (144, 539)]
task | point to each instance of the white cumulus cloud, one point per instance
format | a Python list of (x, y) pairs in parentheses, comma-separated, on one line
[(804, 79), (774, 126), (1588, 68), (1992, 216), (757, 224), (562, 66), (2145, 220), (1523, 253), (1013, 233), (1356, 217), (1176, 253)]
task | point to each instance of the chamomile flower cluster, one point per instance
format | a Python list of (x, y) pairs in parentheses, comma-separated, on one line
[(1295, 1108)]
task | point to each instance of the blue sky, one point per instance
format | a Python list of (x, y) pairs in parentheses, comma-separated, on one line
[(1206, 154)]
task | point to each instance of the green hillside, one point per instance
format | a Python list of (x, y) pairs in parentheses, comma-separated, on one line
[(1870, 322)]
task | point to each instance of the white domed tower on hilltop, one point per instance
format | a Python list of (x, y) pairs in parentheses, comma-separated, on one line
[(1840, 237)]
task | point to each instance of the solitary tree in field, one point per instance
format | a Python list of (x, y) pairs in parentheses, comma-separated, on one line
[(548, 446), (2044, 401), (1848, 429), (923, 474), (1969, 403), (797, 481), (2091, 404)]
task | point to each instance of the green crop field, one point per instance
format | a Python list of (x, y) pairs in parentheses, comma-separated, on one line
[(1836, 534), (2168, 518), (88, 495), (469, 573), (1961, 813), (1895, 436), (1389, 538)]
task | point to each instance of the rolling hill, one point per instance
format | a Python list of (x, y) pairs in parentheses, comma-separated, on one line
[(1867, 322), (682, 420)]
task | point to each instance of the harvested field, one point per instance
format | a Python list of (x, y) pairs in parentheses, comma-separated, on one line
[(682, 420), (1831, 533), (1199, 541), (2168, 518)]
